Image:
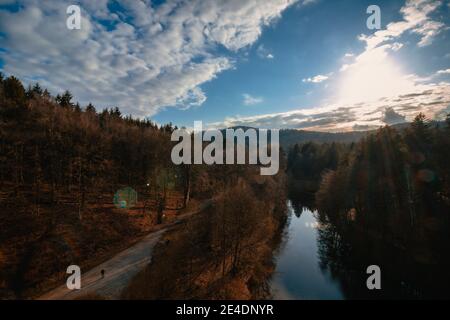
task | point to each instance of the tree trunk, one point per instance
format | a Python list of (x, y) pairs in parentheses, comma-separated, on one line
[(37, 180), (81, 192), (187, 186)]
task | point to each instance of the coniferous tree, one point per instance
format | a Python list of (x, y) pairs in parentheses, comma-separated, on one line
[(65, 100), (14, 90)]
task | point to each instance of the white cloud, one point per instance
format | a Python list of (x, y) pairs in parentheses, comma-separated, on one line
[(428, 31), (396, 46), (360, 116), (250, 100), (148, 57), (306, 2), (415, 19), (317, 79), (263, 53), (447, 71), (344, 67)]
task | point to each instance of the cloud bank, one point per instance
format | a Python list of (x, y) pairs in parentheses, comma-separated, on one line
[(131, 53), (359, 116)]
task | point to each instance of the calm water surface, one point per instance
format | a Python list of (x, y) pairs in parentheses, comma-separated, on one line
[(298, 274)]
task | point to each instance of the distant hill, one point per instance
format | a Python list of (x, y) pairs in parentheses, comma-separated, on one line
[(289, 137)]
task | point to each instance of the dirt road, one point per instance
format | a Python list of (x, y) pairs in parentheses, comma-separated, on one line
[(119, 270)]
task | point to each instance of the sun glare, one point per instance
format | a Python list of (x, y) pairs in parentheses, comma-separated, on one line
[(372, 76)]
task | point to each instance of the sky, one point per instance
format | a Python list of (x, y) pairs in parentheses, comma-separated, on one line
[(301, 64)]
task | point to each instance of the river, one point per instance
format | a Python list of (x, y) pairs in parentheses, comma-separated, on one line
[(298, 274), (318, 260)]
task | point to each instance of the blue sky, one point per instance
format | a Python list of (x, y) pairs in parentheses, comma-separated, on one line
[(306, 41), (307, 64)]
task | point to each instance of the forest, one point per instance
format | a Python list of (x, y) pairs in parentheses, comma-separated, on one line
[(387, 198), (224, 253), (78, 184), (60, 168)]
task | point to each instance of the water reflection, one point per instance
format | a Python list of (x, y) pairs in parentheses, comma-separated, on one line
[(299, 273), (324, 259)]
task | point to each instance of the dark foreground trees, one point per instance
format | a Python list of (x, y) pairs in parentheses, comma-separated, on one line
[(60, 167), (389, 202)]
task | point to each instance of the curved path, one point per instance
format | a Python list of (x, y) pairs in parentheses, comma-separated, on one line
[(119, 270)]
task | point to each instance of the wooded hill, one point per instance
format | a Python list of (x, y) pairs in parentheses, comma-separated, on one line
[(77, 184)]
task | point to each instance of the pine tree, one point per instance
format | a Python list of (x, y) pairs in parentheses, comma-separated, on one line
[(14, 90), (90, 108), (37, 89), (65, 100)]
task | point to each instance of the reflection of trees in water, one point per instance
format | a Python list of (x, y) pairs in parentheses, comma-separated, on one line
[(301, 202), (346, 251), (298, 208), (337, 259), (332, 249)]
